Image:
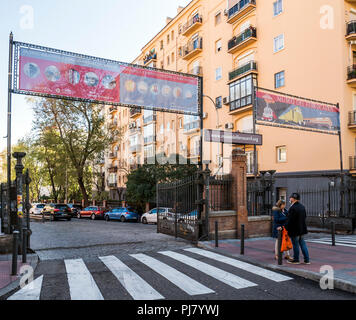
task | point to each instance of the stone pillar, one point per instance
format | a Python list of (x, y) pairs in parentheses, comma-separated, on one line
[(239, 188)]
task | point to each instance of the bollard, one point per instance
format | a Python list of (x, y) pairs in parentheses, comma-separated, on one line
[(43, 217), (242, 246), (14, 252), (216, 234), (333, 233), (280, 255), (24, 245)]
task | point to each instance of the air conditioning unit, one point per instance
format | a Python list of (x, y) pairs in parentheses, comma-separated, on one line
[(205, 115), (226, 101), (229, 126), (225, 12)]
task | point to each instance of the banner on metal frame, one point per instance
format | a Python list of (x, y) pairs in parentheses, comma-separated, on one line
[(54, 73), (283, 110)]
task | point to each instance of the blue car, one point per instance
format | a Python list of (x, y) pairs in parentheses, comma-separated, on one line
[(122, 214)]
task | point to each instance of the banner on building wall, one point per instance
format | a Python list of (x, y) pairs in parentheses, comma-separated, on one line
[(54, 73), (288, 111)]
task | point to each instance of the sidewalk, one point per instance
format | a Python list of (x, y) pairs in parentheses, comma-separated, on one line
[(261, 252), (8, 282)]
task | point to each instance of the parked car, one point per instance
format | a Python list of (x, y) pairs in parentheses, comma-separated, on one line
[(193, 215), (93, 212), (122, 214), (37, 208), (57, 211), (151, 216), (75, 208)]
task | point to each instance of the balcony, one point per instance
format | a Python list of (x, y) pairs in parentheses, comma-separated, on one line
[(135, 112), (240, 9), (192, 25), (351, 76), (112, 155), (149, 119), (352, 120), (192, 49), (244, 70), (241, 41), (352, 163), (198, 71), (351, 30), (152, 57), (192, 127)]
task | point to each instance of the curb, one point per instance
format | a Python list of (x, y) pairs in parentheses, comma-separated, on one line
[(310, 275), (33, 258)]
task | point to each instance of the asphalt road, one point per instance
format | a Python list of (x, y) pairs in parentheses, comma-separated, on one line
[(85, 259)]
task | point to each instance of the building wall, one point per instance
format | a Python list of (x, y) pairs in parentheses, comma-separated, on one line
[(315, 58)]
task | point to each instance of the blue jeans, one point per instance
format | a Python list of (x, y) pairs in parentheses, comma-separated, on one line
[(299, 241)]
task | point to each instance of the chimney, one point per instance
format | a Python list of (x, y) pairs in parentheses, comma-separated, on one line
[(168, 20), (179, 10)]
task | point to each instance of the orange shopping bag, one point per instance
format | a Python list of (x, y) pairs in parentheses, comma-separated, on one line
[(286, 241)]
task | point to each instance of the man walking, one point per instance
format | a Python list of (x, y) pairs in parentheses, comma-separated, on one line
[(297, 228)]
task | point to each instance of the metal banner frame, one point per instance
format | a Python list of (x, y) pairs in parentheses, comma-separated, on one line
[(18, 45)]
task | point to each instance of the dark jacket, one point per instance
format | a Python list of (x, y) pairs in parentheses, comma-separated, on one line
[(296, 224), (279, 220)]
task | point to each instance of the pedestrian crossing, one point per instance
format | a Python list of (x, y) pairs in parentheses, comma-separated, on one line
[(192, 270), (343, 241)]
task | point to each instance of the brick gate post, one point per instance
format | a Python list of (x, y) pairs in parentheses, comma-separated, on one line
[(239, 189)]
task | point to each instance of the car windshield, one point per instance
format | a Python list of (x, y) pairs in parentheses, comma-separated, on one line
[(61, 206), (40, 206)]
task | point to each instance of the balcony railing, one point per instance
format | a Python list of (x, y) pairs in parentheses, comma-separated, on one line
[(198, 71), (135, 111), (235, 42), (239, 7), (250, 66), (192, 126), (149, 58), (193, 22), (149, 118), (352, 163), (351, 28), (192, 46), (149, 139), (352, 118), (135, 148), (351, 72)]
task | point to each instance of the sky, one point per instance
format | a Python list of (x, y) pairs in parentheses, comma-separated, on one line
[(112, 29)]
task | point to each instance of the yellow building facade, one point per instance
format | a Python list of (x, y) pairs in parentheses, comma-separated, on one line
[(303, 48)]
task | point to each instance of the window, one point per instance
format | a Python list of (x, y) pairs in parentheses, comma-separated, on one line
[(279, 79), (168, 61), (218, 73), (277, 7), (218, 102), (161, 129), (161, 45), (181, 123), (172, 35), (168, 126), (250, 162), (241, 93), (282, 154), (218, 46), (167, 38), (217, 18), (279, 43), (172, 57), (172, 125)]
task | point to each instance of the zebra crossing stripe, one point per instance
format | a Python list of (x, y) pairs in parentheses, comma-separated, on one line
[(138, 288), (274, 276), (32, 291), (82, 285), (337, 243), (181, 280), (219, 274)]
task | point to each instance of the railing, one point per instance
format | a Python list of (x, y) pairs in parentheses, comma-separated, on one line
[(191, 46), (239, 6), (196, 71), (135, 148), (191, 22), (149, 118), (352, 118), (134, 111), (351, 72), (191, 126), (220, 193), (149, 139), (250, 32), (252, 65), (350, 27), (152, 56)]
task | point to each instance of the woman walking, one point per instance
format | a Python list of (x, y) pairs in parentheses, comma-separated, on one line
[(280, 218)]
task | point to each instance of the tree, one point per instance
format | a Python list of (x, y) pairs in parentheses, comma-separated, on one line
[(141, 183), (81, 131)]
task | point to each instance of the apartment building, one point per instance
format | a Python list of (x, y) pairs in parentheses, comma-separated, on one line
[(303, 48)]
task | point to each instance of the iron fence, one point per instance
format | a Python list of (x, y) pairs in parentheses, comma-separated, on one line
[(220, 193)]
